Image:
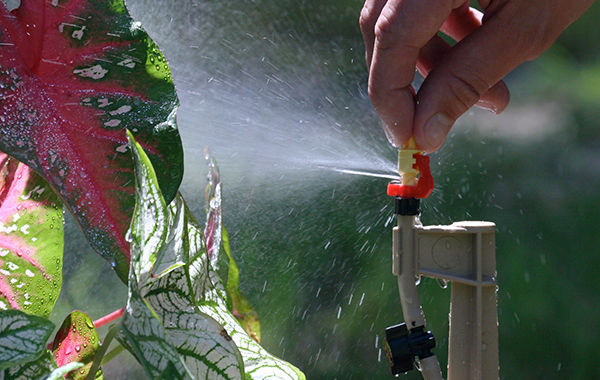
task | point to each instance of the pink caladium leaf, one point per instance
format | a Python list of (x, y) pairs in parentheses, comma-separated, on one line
[(74, 74), (76, 341), (31, 240)]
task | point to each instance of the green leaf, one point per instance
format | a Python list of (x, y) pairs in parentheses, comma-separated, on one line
[(145, 337), (194, 343), (183, 312), (38, 369), (258, 363), (31, 240), (60, 372), (216, 239), (74, 75), (213, 300), (149, 226), (76, 341), (23, 337), (201, 342), (242, 310), (170, 373)]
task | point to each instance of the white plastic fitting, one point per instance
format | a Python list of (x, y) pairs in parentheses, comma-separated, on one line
[(464, 254)]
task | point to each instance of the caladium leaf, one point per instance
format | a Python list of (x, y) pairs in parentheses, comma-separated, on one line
[(241, 308), (23, 337), (217, 243), (195, 344), (60, 372), (258, 363), (213, 298), (39, 369), (145, 337), (214, 211), (201, 342), (76, 341), (170, 373), (73, 75), (31, 240)]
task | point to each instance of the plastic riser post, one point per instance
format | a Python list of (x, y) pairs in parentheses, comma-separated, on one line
[(464, 254)]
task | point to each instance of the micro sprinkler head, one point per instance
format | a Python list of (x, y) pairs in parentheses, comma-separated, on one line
[(416, 180)]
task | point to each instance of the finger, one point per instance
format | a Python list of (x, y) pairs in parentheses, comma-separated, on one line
[(368, 18), (402, 29), (495, 100), (511, 33), (471, 71), (461, 22)]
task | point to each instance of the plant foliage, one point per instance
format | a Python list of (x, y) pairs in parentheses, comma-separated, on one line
[(31, 240), (73, 76), (87, 110)]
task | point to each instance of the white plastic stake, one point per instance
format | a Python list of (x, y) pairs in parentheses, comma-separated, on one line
[(464, 254)]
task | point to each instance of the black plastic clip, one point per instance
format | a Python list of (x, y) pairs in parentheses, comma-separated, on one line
[(403, 347)]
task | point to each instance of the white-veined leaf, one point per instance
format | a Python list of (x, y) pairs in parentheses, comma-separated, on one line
[(161, 324), (258, 363), (213, 297), (145, 337), (23, 337), (60, 372), (203, 344), (37, 369)]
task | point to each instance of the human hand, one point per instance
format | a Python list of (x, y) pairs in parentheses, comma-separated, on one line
[(401, 35)]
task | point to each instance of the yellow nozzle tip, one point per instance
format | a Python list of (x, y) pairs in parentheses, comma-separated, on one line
[(411, 144), (406, 161)]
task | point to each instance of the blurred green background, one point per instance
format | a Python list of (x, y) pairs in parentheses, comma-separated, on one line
[(277, 90)]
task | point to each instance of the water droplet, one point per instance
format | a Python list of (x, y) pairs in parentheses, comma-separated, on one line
[(443, 283)]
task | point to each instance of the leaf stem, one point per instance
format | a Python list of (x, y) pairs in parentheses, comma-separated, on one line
[(109, 318), (102, 350), (112, 354)]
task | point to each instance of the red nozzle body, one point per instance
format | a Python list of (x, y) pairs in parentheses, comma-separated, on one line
[(424, 185)]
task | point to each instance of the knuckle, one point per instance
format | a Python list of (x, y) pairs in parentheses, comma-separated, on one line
[(376, 94), (386, 31), (530, 35), (368, 18), (538, 41), (465, 90)]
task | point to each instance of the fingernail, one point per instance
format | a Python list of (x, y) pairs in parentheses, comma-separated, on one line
[(488, 106), (436, 129)]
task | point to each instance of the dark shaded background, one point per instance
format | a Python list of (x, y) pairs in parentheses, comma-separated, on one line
[(276, 89)]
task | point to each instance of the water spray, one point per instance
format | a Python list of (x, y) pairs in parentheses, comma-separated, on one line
[(463, 253)]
